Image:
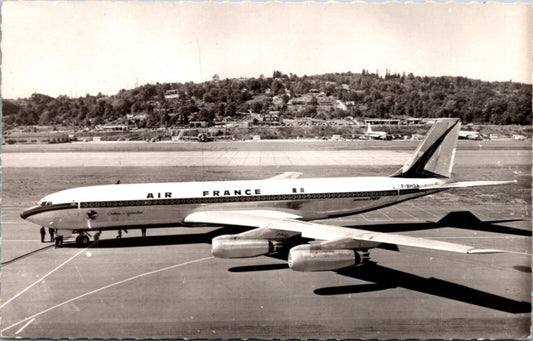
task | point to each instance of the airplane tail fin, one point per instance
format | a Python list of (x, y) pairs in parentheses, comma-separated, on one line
[(435, 155)]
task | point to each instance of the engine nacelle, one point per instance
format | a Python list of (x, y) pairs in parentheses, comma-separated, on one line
[(301, 259), (232, 247)]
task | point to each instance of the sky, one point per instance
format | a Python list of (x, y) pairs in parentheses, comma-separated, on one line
[(78, 48)]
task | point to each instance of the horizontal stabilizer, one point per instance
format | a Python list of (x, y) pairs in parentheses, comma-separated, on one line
[(485, 251), (286, 175), (465, 184)]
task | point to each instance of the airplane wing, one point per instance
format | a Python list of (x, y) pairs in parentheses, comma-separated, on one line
[(286, 175), (282, 221)]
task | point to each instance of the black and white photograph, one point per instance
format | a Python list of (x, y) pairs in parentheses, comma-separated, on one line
[(267, 170)]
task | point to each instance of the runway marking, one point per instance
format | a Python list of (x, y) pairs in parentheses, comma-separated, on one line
[(103, 288), (386, 215), (48, 274), (24, 326), (407, 213), (362, 215)]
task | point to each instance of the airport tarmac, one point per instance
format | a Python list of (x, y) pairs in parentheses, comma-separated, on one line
[(168, 285)]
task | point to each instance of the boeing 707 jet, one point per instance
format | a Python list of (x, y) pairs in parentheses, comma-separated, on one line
[(275, 209)]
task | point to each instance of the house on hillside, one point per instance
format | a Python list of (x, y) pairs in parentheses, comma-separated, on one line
[(172, 94), (394, 121), (198, 124), (272, 118)]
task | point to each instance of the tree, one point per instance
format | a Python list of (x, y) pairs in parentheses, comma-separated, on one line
[(9, 108), (257, 106), (230, 109), (206, 115), (276, 87), (277, 74)]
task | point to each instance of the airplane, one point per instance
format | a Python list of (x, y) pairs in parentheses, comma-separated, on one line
[(375, 135), (203, 137), (469, 135), (275, 210)]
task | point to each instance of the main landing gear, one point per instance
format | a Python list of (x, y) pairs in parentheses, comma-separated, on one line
[(58, 241), (82, 240)]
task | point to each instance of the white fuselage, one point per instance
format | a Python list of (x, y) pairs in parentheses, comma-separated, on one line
[(168, 204)]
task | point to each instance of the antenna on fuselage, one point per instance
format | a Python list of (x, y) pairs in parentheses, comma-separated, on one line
[(118, 182)]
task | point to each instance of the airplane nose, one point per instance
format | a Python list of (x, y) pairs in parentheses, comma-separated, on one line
[(24, 214), (29, 212)]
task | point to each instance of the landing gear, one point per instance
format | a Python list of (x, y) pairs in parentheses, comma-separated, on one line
[(365, 257), (82, 240), (58, 241), (119, 234)]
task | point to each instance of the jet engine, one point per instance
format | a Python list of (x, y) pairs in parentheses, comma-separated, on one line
[(229, 246), (304, 258)]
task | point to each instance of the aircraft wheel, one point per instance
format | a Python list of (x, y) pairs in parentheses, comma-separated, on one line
[(85, 240), (82, 240)]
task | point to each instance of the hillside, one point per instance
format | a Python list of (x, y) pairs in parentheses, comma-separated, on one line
[(325, 96)]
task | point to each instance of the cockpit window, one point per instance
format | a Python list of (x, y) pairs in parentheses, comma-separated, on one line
[(45, 203)]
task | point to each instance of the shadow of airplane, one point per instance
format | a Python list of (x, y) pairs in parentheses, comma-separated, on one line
[(260, 267), (386, 278), (461, 219), (176, 239), (381, 278)]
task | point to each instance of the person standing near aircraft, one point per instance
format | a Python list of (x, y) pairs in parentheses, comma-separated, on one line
[(97, 237), (51, 231), (43, 233)]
